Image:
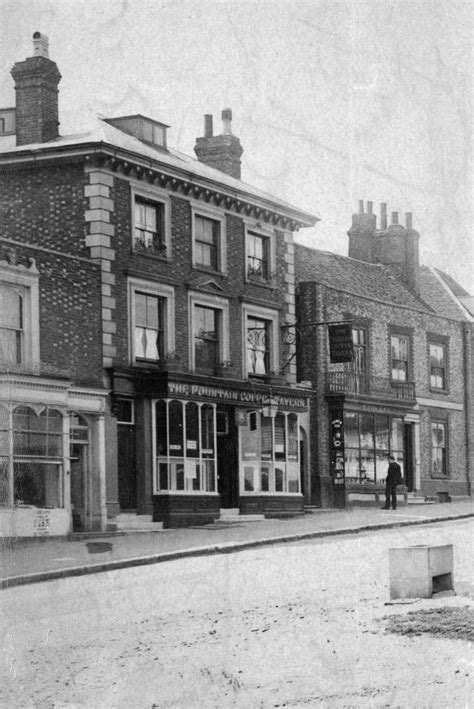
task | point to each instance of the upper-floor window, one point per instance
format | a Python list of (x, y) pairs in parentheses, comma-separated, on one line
[(148, 328), (12, 334), (437, 354), (206, 337), (258, 345), (399, 350), (149, 226), (209, 329), (438, 448), (206, 237), (151, 316), (258, 257), (19, 315)]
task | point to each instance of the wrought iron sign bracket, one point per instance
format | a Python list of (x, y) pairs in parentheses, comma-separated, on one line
[(294, 333)]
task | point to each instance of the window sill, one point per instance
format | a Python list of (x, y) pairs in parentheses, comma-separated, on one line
[(439, 391), (209, 271), (261, 284), (156, 257)]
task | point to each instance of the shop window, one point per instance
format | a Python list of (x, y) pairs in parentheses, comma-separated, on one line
[(437, 355), (152, 321), (270, 453), (368, 441), (37, 457), (149, 226), (258, 258), (399, 349), (438, 448), (185, 447)]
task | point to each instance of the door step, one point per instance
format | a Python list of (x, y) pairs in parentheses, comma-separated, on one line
[(233, 516), (419, 501), (131, 522)]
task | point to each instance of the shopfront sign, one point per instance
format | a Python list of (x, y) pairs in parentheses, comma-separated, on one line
[(237, 396), (341, 347)]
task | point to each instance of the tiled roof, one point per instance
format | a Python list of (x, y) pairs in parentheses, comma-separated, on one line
[(103, 133), (443, 294), (370, 280)]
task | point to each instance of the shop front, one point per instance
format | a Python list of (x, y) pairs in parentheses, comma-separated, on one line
[(51, 476), (361, 440), (217, 446)]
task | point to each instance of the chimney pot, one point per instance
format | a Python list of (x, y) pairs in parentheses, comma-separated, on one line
[(369, 207), (408, 220), (394, 221), (383, 215), (226, 116), (40, 45), (361, 206), (208, 126)]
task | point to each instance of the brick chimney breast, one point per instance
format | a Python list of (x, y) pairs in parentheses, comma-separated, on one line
[(220, 151), (36, 86)]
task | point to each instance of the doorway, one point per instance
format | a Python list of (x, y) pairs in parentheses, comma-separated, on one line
[(127, 471), (408, 455), (79, 462), (227, 458)]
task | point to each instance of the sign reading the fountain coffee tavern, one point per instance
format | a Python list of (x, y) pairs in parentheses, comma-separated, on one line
[(215, 393), (340, 343)]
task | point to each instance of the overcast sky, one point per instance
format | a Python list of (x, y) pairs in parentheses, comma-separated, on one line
[(332, 101)]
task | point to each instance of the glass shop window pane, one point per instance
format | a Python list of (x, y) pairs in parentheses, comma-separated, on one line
[(179, 476), (207, 431), (382, 432), (266, 437), (192, 430), (352, 463), (396, 436), (292, 422), (351, 430), (209, 476), (163, 476), (293, 475), (161, 428), (280, 448), (249, 474), (176, 428), (279, 479), (366, 431), (265, 478), (37, 484), (367, 465)]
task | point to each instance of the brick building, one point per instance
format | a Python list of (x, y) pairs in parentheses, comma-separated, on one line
[(146, 293), (408, 389)]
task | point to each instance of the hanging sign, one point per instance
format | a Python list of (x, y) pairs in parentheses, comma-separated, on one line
[(340, 343)]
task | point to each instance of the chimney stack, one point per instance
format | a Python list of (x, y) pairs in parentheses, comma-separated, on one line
[(36, 86), (361, 233), (220, 151)]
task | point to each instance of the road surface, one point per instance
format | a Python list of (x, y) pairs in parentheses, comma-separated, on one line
[(291, 625)]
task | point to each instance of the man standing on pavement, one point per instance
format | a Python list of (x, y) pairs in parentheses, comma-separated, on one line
[(394, 478)]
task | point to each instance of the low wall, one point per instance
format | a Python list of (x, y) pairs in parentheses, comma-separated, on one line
[(34, 522)]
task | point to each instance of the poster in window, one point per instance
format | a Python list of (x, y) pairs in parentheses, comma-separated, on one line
[(190, 469)]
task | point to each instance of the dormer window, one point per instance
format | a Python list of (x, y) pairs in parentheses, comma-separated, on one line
[(143, 128)]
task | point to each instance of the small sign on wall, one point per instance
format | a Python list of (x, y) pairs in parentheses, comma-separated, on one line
[(42, 523)]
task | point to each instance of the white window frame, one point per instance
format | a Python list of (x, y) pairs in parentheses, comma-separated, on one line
[(155, 289), (267, 233), (159, 197), (27, 284), (209, 301), (206, 211), (253, 311)]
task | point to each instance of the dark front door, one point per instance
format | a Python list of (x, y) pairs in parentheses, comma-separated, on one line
[(408, 454), (227, 458), (127, 472)]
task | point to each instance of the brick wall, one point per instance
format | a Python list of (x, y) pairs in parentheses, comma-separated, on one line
[(69, 306)]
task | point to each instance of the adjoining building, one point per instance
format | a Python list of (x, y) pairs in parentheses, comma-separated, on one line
[(144, 296), (408, 389)]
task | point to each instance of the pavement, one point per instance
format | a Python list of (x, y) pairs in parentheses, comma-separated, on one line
[(24, 561)]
